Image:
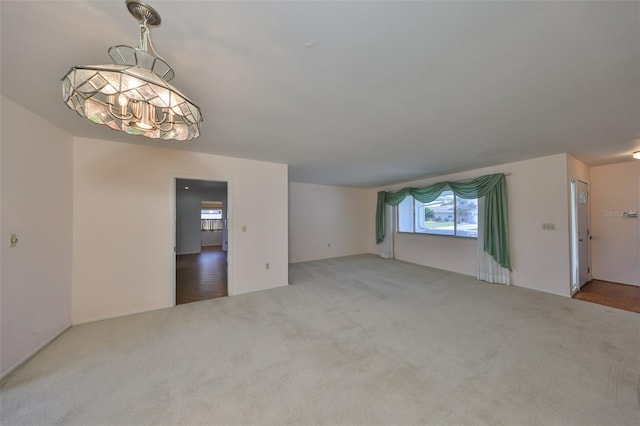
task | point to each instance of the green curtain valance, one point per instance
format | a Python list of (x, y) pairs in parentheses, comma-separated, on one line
[(496, 218)]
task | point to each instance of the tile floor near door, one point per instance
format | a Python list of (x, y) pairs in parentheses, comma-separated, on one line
[(201, 276), (620, 296)]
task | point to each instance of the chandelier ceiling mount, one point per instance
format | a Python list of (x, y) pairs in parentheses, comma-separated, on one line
[(143, 12)]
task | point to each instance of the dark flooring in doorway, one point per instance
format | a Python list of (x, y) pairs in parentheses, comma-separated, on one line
[(201, 276), (621, 296)]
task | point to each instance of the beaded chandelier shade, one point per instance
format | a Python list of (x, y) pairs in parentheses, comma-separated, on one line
[(133, 94)]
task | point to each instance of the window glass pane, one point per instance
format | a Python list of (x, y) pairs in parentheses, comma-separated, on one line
[(466, 217), (211, 214), (405, 215), (436, 217), (447, 215)]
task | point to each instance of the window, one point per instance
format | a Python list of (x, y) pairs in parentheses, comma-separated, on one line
[(210, 214), (447, 215), (211, 220)]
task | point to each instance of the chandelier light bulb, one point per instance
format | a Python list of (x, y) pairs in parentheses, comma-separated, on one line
[(122, 100), (636, 155)]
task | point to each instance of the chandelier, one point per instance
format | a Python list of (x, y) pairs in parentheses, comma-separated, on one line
[(133, 95)]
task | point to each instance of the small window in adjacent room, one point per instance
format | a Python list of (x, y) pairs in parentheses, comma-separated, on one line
[(211, 220), (447, 215), (210, 214)]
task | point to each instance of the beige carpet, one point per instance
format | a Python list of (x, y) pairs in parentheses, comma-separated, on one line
[(355, 340)]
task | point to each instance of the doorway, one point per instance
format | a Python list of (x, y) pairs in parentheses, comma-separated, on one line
[(580, 235), (201, 240)]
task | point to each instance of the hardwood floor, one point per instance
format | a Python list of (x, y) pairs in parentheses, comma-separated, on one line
[(201, 276), (616, 295)]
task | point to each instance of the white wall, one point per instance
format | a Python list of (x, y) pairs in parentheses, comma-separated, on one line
[(320, 215), (577, 169), (211, 238), (189, 237), (124, 224), (537, 191), (615, 238), (36, 197)]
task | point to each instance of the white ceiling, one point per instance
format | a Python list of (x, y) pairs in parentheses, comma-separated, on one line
[(360, 93)]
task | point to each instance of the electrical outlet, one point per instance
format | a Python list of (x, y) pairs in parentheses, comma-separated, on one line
[(548, 226)]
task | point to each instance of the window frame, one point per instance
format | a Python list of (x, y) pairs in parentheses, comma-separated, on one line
[(413, 221)]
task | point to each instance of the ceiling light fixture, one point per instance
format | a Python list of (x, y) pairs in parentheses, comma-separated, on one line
[(636, 155), (133, 95)]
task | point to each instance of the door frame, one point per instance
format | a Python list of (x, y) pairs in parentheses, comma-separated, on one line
[(575, 251), (230, 245)]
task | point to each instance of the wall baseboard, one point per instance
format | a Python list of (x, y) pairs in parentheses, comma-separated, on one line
[(31, 354), (126, 314), (616, 282)]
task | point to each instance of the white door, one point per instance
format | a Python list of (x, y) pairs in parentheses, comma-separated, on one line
[(582, 195)]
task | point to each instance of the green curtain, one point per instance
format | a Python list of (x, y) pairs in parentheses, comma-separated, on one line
[(496, 218)]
